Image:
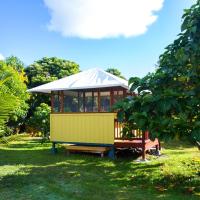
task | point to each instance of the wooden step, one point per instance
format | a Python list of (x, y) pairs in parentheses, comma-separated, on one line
[(87, 149)]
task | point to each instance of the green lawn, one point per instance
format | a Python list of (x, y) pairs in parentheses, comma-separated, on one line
[(29, 171)]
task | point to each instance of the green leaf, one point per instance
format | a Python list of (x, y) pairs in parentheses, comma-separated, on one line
[(134, 83), (120, 116)]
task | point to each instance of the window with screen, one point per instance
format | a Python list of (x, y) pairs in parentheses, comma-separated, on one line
[(105, 101), (80, 101), (56, 102), (88, 102), (95, 102), (117, 95), (70, 101)]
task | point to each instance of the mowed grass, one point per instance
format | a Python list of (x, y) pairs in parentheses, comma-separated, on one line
[(29, 171)]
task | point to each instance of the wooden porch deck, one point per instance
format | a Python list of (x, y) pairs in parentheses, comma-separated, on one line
[(139, 140)]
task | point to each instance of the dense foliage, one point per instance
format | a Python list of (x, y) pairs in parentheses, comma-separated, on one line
[(40, 120), (18, 87), (7, 106), (168, 101), (49, 69), (13, 96), (15, 62)]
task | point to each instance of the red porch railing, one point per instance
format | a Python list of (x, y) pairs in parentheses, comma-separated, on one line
[(139, 139)]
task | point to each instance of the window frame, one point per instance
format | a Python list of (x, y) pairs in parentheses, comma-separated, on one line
[(93, 90)]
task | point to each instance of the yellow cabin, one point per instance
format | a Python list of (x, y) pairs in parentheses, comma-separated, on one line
[(82, 109)]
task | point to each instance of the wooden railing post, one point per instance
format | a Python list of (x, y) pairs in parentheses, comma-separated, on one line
[(52, 102), (146, 135)]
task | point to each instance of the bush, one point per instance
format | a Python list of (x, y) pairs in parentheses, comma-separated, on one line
[(40, 121)]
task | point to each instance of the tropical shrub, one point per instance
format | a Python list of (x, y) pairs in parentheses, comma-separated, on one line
[(40, 121)]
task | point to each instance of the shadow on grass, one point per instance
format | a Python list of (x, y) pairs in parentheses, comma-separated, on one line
[(78, 176), (85, 178)]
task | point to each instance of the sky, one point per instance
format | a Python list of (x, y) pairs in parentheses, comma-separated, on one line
[(125, 34)]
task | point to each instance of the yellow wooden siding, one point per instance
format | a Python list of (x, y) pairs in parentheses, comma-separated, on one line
[(83, 127)]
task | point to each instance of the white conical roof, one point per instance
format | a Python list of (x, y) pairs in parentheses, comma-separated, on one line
[(92, 78)]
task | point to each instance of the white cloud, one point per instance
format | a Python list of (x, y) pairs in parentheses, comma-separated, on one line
[(1, 57), (102, 18)]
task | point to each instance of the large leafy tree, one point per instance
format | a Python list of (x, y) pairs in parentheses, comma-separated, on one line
[(168, 101), (18, 88), (49, 69), (13, 95)]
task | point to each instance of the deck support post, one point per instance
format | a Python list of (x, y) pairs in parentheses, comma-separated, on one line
[(144, 135), (111, 153), (159, 145), (53, 149), (143, 154)]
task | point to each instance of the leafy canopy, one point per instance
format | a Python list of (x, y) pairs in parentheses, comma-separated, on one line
[(49, 69), (15, 62)]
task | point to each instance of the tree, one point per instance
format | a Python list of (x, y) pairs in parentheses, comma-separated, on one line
[(7, 104), (13, 95), (15, 62), (19, 88), (168, 100), (49, 69), (115, 72)]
